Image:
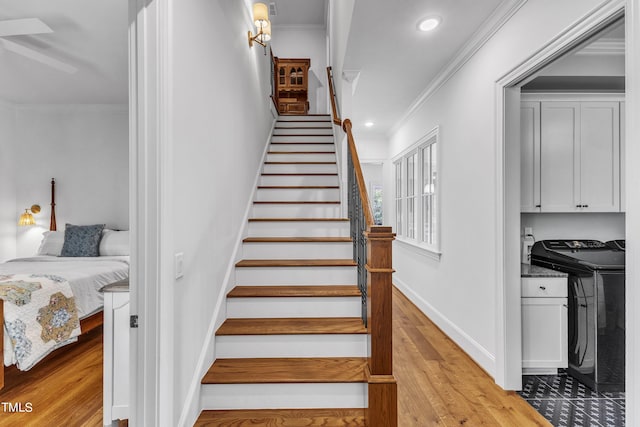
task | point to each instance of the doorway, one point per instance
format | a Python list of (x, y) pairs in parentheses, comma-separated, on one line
[(508, 354)]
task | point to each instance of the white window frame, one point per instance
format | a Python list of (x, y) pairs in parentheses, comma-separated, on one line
[(430, 249)]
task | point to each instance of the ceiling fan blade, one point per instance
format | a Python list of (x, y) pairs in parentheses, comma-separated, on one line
[(19, 27), (37, 56)]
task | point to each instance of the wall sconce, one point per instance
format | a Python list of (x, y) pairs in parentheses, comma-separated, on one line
[(261, 20), (27, 218)]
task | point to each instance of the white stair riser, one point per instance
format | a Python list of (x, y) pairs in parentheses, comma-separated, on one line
[(302, 147), (310, 157), (274, 307), (323, 118), (325, 345), (299, 229), (304, 138), (301, 124), (296, 211), (276, 396), (299, 180), (300, 168), (297, 250), (298, 194), (295, 275), (315, 130)]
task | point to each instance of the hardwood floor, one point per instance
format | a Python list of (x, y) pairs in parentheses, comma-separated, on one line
[(438, 384), (63, 390)]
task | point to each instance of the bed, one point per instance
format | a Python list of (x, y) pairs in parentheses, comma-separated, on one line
[(48, 300)]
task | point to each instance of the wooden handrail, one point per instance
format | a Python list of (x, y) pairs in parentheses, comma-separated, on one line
[(373, 256), (364, 196), (274, 76), (332, 93)]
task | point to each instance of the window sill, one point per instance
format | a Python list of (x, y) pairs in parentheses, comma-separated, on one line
[(419, 249)]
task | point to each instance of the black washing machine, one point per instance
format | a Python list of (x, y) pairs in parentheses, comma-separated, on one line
[(596, 308), (617, 244)]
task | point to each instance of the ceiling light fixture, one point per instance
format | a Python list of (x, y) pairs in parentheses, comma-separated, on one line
[(430, 23), (368, 124)]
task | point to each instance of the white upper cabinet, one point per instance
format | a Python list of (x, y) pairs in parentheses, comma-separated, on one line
[(559, 156), (570, 155), (530, 156), (600, 156)]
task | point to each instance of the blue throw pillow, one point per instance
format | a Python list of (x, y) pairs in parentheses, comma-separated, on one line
[(82, 240)]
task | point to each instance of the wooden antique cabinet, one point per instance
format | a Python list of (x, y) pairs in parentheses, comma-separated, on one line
[(291, 80)]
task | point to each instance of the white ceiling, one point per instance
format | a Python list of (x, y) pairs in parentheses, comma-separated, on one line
[(90, 35), (396, 61), (295, 13)]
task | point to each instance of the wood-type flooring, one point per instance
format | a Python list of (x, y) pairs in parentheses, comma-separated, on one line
[(438, 385)]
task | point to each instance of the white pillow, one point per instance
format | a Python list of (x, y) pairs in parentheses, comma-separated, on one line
[(51, 243), (114, 243)]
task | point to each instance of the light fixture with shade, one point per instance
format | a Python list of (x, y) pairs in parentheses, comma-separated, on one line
[(27, 217), (263, 25)]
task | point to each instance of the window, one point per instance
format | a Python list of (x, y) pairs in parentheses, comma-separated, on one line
[(416, 194), (398, 172)]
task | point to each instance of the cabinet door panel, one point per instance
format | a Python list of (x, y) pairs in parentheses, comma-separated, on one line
[(530, 157), (544, 333), (600, 156), (623, 158), (560, 168)]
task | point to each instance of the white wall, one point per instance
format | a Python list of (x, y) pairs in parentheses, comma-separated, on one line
[(86, 148), (458, 292), (306, 43), (220, 125), (586, 65), (596, 226), (9, 212)]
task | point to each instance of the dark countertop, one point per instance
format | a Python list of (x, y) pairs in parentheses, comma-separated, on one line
[(121, 286), (527, 270)]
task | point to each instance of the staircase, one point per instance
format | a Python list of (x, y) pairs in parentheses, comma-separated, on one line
[(293, 349)]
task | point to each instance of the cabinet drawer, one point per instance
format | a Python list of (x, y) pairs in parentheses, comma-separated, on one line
[(544, 287)]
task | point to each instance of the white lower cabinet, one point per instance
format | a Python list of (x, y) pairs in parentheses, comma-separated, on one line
[(544, 325), (116, 353)]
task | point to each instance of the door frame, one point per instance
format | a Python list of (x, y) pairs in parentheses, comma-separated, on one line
[(508, 361), (151, 399)]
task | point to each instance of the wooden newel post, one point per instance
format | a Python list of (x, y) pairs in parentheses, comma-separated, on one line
[(383, 405)]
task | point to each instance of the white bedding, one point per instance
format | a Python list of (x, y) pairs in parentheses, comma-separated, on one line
[(86, 275)]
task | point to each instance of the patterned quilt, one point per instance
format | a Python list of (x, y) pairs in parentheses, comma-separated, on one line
[(40, 315)]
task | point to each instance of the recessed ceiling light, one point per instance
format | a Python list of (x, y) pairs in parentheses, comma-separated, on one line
[(368, 124), (430, 23)]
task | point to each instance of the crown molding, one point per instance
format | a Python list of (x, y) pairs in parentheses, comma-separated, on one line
[(498, 18), (603, 47)]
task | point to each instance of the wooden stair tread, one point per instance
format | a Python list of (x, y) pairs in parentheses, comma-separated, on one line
[(304, 127), (296, 202), (299, 163), (294, 291), (292, 326), (296, 263), (298, 219), (300, 152), (297, 239), (297, 187), (286, 370), (301, 174), (302, 134), (300, 142), (283, 418)]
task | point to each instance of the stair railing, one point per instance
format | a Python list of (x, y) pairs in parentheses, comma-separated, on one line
[(372, 251)]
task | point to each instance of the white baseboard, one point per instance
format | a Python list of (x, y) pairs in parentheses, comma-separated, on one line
[(193, 406), (470, 346)]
